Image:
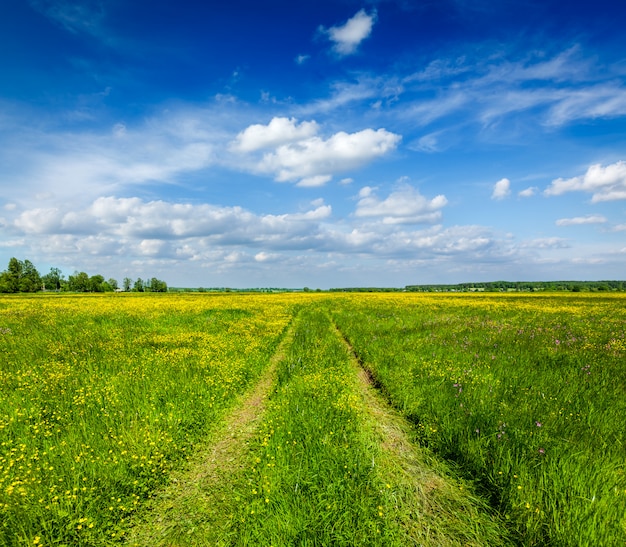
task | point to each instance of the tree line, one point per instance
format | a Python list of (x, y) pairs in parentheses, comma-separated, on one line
[(22, 276)]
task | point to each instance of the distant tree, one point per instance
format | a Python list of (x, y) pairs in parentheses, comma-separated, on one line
[(30, 280), (20, 276), (127, 283), (156, 285), (138, 285), (113, 284), (53, 279), (78, 282), (96, 283)]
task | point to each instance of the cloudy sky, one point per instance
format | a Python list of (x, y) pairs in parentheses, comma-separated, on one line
[(320, 143)]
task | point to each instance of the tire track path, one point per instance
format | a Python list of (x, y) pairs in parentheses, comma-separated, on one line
[(434, 507), (198, 495)]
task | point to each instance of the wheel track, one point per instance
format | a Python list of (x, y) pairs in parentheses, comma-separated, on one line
[(426, 491), (176, 513)]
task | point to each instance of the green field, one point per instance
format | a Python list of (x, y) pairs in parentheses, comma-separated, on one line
[(313, 419)]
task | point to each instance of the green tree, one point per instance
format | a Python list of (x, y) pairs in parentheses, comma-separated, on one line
[(138, 285), (113, 284), (53, 279), (156, 285), (79, 282), (30, 280), (20, 276), (127, 283), (96, 283)]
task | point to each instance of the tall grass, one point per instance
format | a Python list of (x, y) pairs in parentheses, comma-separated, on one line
[(318, 473), (100, 397), (524, 393)]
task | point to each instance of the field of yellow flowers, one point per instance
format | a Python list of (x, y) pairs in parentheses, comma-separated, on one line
[(103, 396)]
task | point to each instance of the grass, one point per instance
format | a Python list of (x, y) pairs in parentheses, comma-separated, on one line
[(321, 469), (473, 420), (102, 397), (523, 393)]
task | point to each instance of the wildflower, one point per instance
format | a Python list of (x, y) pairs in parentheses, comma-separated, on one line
[(538, 424), (542, 451)]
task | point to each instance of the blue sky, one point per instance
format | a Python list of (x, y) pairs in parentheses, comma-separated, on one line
[(321, 144)]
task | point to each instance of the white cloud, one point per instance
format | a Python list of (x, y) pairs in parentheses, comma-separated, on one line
[(597, 101), (134, 219), (605, 183), (347, 37), (266, 257), (301, 59), (551, 91), (84, 16), (403, 206), (528, 192), (314, 181), (501, 189), (83, 165), (428, 143), (576, 221), (546, 243), (279, 131), (313, 161)]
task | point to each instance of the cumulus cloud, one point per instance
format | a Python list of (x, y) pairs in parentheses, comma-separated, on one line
[(133, 218), (402, 206), (294, 152), (347, 37), (501, 189), (314, 160), (604, 183), (279, 131), (577, 221)]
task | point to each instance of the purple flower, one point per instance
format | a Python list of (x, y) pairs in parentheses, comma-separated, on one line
[(538, 424), (542, 451)]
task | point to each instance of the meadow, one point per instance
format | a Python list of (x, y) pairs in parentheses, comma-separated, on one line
[(512, 405), (524, 393), (101, 397)]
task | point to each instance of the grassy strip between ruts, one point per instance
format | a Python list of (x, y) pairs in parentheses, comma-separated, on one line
[(329, 464)]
